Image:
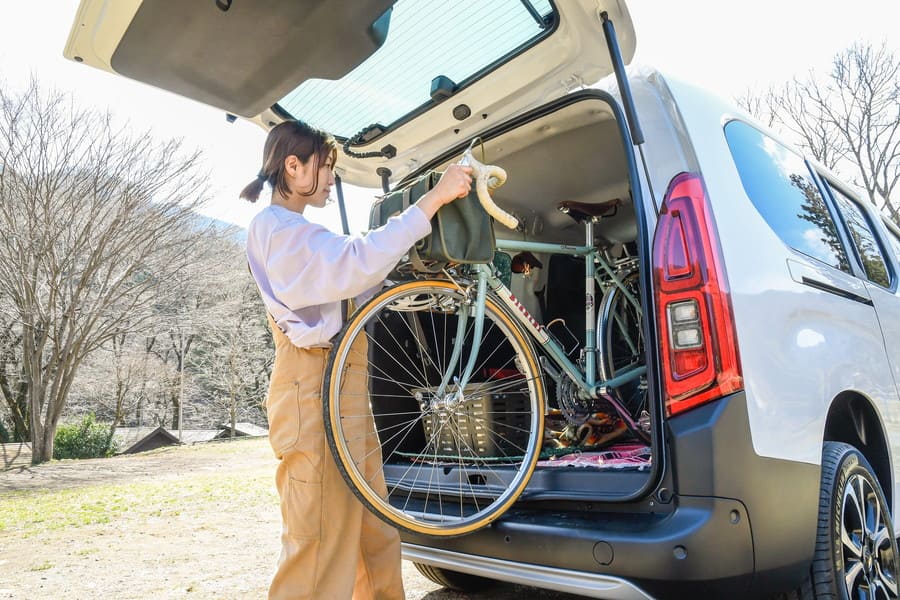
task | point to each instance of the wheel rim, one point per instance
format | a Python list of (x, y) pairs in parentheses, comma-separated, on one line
[(619, 333), (866, 543), (419, 492)]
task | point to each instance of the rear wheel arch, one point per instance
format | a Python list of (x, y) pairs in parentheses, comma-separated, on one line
[(853, 419)]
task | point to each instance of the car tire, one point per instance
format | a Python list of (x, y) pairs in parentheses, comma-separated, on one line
[(454, 580), (855, 553)]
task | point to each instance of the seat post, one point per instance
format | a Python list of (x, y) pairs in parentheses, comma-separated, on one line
[(590, 303)]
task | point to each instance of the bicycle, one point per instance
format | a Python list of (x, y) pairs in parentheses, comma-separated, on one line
[(454, 399)]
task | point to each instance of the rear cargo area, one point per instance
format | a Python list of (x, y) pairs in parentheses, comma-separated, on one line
[(569, 152)]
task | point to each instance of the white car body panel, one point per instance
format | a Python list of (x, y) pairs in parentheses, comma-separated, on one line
[(817, 344)]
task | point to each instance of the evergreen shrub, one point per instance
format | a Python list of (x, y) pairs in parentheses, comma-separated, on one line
[(83, 439)]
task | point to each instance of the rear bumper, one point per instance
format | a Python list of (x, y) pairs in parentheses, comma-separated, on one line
[(738, 525), (592, 585), (700, 541)]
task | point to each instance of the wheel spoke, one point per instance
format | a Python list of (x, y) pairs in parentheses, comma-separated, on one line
[(851, 544), (885, 560), (873, 507), (401, 364), (881, 537), (854, 511), (852, 572), (885, 581)]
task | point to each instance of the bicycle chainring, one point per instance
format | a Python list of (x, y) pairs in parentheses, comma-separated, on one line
[(574, 409)]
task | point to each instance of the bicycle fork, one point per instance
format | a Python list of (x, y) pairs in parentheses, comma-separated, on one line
[(461, 324)]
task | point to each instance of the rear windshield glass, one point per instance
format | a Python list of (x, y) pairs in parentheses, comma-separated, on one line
[(426, 38)]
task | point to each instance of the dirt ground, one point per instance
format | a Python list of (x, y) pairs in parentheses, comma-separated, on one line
[(187, 522)]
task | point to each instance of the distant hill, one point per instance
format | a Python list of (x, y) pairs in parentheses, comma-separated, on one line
[(237, 232)]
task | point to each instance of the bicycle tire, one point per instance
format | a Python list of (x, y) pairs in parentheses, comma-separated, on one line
[(618, 322), (620, 347), (495, 428)]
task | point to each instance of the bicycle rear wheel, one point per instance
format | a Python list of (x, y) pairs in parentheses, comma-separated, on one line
[(439, 464), (619, 333), (620, 341)]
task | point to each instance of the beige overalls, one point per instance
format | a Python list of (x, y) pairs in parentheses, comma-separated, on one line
[(332, 546)]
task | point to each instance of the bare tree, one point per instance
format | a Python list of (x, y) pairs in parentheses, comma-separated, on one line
[(188, 312), (757, 105), (849, 121), (96, 221), (13, 388), (212, 311), (234, 358), (128, 366)]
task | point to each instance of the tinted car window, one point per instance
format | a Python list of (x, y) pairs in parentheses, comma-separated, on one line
[(863, 238), (895, 242), (781, 188)]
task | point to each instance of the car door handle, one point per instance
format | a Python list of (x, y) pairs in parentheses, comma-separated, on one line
[(825, 287), (813, 277)]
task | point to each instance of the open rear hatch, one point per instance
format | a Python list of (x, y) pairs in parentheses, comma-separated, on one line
[(404, 86), (410, 77)]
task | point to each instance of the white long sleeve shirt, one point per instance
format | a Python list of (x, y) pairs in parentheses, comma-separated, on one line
[(304, 270)]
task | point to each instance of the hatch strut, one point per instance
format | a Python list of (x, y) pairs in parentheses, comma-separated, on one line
[(345, 226), (637, 136), (534, 13)]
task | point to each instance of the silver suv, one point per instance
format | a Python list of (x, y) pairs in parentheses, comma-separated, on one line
[(760, 453)]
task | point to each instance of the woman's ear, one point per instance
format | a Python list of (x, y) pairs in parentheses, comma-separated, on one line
[(291, 165)]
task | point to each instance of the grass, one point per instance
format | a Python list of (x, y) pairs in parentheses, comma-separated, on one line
[(29, 512)]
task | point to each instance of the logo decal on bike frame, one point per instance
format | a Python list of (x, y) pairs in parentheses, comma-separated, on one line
[(525, 313)]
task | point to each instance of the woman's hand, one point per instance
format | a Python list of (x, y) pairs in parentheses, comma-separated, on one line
[(456, 182)]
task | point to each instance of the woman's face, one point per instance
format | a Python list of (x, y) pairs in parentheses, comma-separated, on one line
[(305, 177)]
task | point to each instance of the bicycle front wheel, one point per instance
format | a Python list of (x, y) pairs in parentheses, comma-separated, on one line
[(429, 460)]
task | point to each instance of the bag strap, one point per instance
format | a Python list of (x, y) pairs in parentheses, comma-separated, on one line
[(375, 215), (416, 261), (407, 192)]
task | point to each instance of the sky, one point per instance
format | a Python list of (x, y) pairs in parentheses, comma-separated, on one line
[(726, 46)]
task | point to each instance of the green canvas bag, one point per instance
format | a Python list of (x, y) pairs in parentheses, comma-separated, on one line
[(461, 232)]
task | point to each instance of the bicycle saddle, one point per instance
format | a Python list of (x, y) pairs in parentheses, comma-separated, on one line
[(581, 211)]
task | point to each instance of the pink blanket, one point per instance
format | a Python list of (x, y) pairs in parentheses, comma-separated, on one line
[(619, 456)]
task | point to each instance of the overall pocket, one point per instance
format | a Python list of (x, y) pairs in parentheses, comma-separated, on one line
[(283, 414), (302, 509)]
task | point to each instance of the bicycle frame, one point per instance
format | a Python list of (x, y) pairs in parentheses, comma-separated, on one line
[(586, 380)]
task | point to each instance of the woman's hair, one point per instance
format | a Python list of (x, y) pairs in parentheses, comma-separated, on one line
[(286, 139)]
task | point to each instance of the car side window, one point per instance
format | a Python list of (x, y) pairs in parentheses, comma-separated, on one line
[(781, 188), (895, 242), (863, 238)]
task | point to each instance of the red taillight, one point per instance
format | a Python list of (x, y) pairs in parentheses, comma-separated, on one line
[(698, 344)]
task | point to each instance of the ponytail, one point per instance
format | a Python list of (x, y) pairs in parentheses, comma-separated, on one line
[(253, 189)]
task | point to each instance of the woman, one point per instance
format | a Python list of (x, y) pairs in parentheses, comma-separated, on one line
[(332, 547)]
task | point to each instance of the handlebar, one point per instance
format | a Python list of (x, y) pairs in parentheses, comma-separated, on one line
[(487, 179)]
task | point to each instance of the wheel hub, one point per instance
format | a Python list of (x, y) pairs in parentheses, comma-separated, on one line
[(442, 407), (867, 560)]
